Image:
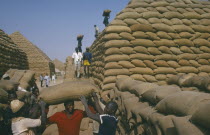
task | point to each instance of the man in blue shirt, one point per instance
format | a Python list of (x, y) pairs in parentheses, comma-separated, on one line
[(106, 117), (87, 59)]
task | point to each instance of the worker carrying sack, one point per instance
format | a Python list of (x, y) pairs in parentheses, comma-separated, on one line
[(67, 91)]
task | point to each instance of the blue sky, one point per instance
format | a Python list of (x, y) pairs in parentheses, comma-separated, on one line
[(53, 25)]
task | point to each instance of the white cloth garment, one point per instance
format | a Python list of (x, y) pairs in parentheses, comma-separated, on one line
[(20, 125), (77, 57)]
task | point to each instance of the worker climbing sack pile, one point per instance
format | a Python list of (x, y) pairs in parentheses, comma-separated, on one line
[(67, 91)]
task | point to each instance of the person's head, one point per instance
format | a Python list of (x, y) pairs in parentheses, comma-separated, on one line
[(69, 106), (87, 49), (12, 96), (111, 108), (94, 25), (76, 49), (35, 91)]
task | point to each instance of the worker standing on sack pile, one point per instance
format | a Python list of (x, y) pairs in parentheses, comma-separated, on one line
[(69, 120), (87, 59), (107, 119), (77, 59)]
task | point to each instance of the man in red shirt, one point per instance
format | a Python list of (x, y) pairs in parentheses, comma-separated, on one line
[(69, 120)]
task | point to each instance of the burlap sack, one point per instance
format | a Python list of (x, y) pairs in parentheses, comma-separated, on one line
[(114, 58), (151, 14), (136, 108), (139, 70), (165, 70), (126, 64), (164, 42), (185, 80), (21, 95), (11, 72), (138, 63), (3, 96), (117, 43), (141, 49), (141, 56), (170, 15), (108, 86), (130, 21), (204, 56), (152, 36), (184, 127), (184, 42), (117, 29), (125, 84), (126, 15), (117, 22), (166, 57), (8, 85), (149, 78), (154, 51), (205, 49), (187, 69), (142, 42), (113, 72), (160, 77), (173, 64), (111, 36), (153, 121), (109, 79), (201, 116), (201, 42), (126, 35), (182, 103), (146, 112), (128, 103), (163, 35), (187, 56), (204, 69), (141, 88), (141, 27), (67, 91), (111, 51), (150, 64), (163, 27), (185, 35), (167, 126), (126, 50), (194, 63), (112, 65), (140, 34), (175, 50), (182, 28), (186, 49), (138, 77), (156, 94), (161, 63), (184, 63), (164, 49), (51, 130), (203, 62), (17, 75)]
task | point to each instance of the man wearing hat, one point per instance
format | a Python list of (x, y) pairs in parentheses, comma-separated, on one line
[(20, 124)]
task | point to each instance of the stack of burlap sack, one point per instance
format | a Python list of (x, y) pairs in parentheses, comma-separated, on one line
[(26, 78), (147, 108), (56, 95), (152, 40), (10, 55), (190, 82), (37, 60), (69, 69)]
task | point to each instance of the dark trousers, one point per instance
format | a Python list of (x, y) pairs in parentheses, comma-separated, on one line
[(41, 83)]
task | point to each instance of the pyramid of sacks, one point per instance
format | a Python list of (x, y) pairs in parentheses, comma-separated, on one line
[(10, 55), (58, 64), (38, 61), (152, 40)]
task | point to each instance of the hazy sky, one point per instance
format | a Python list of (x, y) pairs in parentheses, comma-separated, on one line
[(53, 25)]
